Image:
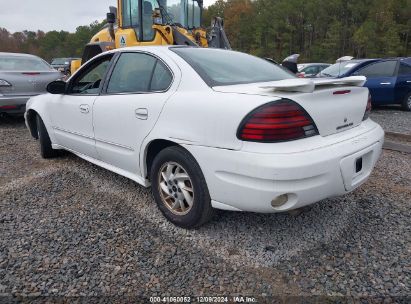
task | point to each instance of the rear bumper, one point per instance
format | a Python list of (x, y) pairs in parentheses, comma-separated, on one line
[(246, 181), (13, 104)]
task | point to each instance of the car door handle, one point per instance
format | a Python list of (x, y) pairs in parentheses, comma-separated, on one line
[(142, 113), (385, 83), (408, 81), (84, 109)]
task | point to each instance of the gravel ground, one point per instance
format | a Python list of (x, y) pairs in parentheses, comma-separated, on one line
[(69, 228), (392, 119)]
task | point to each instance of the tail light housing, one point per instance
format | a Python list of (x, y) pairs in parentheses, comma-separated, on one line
[(368, 108), (277, 121)]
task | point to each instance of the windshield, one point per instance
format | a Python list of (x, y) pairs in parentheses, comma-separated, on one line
[(60, 61), (222, 67), (300, 67), (13, 63), (185, 12), (339, 69)]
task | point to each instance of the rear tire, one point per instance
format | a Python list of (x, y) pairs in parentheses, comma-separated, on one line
[(179, 188), (46, 150), (406, 104)]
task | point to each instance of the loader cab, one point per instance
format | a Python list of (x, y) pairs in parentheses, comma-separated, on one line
[(141, 15)]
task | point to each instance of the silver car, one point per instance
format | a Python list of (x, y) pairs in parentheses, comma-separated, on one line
[(21, 77), (308, 70)]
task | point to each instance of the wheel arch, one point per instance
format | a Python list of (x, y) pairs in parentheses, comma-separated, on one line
[(31, 122), (152, 149)]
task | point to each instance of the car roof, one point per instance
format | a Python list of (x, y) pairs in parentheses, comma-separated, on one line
[(17, 55), (362, 60), (407, 60)]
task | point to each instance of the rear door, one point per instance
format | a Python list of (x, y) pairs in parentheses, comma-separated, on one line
[(403, 86), (72, 113), (381, 80), (126, 112)]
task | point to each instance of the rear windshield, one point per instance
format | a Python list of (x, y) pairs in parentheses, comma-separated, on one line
[(60, 61), (222, 67), (14, 63), (338, 69)]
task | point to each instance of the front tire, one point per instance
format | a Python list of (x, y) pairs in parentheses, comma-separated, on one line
[(179, 188), (46, 151), (406, 104)]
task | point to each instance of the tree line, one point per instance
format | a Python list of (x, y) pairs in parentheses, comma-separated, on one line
[(49, 45), (319, 30)]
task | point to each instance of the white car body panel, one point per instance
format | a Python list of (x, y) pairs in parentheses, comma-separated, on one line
[(240, 175), (72, 122)]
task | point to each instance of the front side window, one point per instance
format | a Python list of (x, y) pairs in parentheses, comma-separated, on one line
[(311, 70), (193, 14), (149, 6), (405, 69), (184, 12), (91, 80), (142, 20), (379, 69), (174, 10), (138, 73), (130, 13), (222, 67)]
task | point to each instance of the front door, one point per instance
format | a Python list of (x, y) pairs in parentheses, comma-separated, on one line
[(381, 79), (403, 86), (126, 112), (72, 113)]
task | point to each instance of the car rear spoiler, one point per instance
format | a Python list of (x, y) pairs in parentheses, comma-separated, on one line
[(309, 85)]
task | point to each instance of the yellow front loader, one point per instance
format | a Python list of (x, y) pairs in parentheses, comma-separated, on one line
[(154, 22)]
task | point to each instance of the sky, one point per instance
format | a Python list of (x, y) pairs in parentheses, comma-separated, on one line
[(47, 15)]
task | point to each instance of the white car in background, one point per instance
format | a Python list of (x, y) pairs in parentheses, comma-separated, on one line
[(211, 129)]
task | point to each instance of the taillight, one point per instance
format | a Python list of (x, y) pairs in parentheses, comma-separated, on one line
[(368, 108), (277, 121)]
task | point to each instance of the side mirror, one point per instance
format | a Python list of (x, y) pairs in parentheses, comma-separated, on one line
[(111, 18), (57, 87)]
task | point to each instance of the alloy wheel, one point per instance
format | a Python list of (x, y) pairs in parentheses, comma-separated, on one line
[(176, 188)]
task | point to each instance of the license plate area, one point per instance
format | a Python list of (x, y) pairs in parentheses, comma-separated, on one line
[(356, 168), (358, 165)]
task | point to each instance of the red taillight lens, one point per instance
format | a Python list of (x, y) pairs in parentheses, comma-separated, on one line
[(368, 108), (275, 122), (8, 107)]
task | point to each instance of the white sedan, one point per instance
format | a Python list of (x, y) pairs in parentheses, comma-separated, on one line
[(211, 129)]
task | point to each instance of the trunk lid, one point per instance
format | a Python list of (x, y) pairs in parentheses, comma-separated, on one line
[(335, 105), (27, 83)]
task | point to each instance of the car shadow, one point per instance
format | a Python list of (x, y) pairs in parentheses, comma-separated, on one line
[(387, 107), (12, 121)]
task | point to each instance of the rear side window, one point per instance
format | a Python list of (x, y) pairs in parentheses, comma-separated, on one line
[(137, 73), (222, 67), (405, 69), (162, 78), (311, 70), (379, 69)]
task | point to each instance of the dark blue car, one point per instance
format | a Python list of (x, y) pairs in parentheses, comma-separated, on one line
[(389, 80)]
